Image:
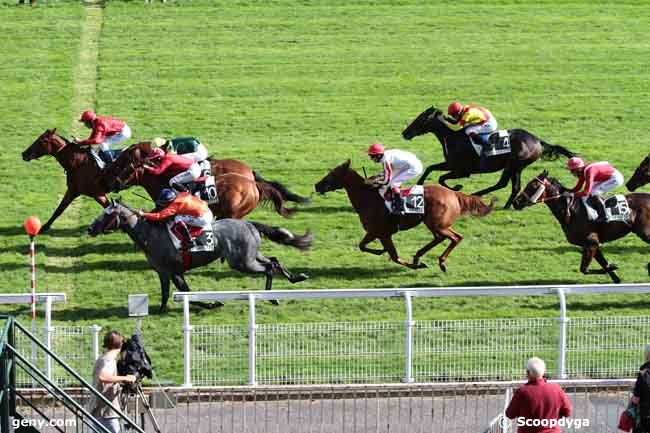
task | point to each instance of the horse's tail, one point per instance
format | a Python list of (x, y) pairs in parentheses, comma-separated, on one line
[(284, 236), (474, 204), (269, 192), (553, 151), (286, 194)]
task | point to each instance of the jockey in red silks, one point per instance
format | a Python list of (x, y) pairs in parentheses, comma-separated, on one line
[(106, 132), (186, 209), (183, 169), (399, 166), (477, 122), (594, 179)]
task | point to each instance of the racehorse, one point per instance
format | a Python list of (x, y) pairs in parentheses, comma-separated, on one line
[(462, 161), (442, 207), (577, 228), (641, 175), (238, 192), (236, 241), (138, 151), (81, 170)]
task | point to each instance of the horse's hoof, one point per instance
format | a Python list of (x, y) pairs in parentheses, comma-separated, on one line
[(274, 301), (422, 266), (299, 277), (457, 187), (612, 267), (164, 309), (214, 305), (443, 266)]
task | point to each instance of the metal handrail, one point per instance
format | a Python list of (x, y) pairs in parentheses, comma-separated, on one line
[(75, 375)]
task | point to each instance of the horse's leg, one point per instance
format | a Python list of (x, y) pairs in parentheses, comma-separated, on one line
[(392, 252), (365, 241), (607, 267), (102, 200), (68, 197), (181, 284), (506, 174), (455, 239), (452, 175), (288, 275), (164, 293), (516, 187), (425, 249), (433, 167)]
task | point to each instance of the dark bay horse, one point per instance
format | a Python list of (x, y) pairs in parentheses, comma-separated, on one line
[(442, 207), (641, 175), (462, 161), (236, 241), (81, 170), (578, 230), (238, 191)]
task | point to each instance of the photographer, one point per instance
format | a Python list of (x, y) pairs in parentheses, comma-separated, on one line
[(107, 382)]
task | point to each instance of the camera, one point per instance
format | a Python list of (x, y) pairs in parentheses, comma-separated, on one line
[(135, 361)]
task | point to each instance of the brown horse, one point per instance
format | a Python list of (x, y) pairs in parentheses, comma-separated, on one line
[(238, 191), (82, 172), (641, 175), (578, 230), (442, 207)]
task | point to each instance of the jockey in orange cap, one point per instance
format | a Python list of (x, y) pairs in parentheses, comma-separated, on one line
[(106, 132), (399, 166), (596, 178), (477, 122)]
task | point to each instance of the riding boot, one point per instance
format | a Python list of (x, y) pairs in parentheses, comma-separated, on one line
[(187, 242), (106, 156), (599, 205), (179, 187), (398, 204)]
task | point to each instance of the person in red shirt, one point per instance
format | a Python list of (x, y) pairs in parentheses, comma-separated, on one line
[(594, 179), (537, 401), (186, 209), (183, 169), (106, 132)]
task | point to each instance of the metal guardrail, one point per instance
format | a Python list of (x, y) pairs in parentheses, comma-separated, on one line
[(409, 326)]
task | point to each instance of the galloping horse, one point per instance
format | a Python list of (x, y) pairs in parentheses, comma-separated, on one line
[(461, 162), (236, 241), (578, 230), (641, 175), (81, 170), (237, 190), (442, 207)]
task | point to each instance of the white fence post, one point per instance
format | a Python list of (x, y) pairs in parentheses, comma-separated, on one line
[(408, 340), (187, 335), (47, 337), (252, 329), (563, 324), (94, 330)]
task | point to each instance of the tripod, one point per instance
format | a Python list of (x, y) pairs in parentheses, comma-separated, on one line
[(136, 393)]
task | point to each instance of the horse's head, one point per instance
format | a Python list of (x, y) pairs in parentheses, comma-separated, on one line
[(48, 143), (641, 175), (334, 179), (112, 218), (422, 124), (541, 189), (127, 170)]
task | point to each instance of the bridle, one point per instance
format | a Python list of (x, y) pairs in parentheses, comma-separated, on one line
[(115, 220), (535, 198)]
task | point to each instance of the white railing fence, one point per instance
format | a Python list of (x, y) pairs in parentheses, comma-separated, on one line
[(409, 351)]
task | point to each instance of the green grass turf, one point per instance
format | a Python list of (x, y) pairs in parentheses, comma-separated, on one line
[(295, 88)]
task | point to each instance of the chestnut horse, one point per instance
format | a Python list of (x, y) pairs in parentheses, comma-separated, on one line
[(237, 190), (641, 175), (81, 170), (578, 230), (442, 207)]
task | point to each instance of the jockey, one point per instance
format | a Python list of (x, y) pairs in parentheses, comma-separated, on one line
[(183, 169), (399, 166), (106, 132), (189, 147), (597, 178), (186, 209), (477, 121)]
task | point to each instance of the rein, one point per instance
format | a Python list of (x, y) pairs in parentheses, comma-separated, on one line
[(535, 198)]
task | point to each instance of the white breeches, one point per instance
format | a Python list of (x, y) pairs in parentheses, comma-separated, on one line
[(613, 182), (186, 176), (201, 154), (402, 176), (204, 221), (121, 136), (486, 128)]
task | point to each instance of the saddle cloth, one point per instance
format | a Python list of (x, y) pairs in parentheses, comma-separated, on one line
[(205, 188), (617, 209), (206, 168), (499, 143), (413, 200), (203, 239)]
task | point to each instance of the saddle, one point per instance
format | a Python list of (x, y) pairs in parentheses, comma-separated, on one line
[(205, 188), (498, 144), (203, 238), (411, 201)]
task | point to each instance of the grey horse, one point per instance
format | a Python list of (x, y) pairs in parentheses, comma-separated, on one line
[(236, 241)]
